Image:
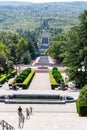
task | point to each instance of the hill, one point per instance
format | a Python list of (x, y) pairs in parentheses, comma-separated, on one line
[(30, 16)]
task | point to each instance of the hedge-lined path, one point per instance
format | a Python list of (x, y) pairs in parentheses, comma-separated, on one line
[(40, 81)]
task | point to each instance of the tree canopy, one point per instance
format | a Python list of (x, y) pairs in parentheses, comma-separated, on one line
[(71, 48)]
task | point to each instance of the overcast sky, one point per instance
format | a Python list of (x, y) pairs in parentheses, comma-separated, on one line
[(42, 1)]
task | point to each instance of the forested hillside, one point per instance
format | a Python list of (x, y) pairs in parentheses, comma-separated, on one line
[(30, 16)]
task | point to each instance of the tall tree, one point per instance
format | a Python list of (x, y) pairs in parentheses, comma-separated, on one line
[(74, 50), (21, 48), (4, 53)]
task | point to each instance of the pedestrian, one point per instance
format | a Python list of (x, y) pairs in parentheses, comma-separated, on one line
[(27, 113), (21, 120), (14, 86), (19, 110), (31, 109)]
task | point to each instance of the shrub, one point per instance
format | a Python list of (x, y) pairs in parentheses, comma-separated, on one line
[(24, 84), (28, 80), (19, 80), (83, 96), (53, 82), (9, 75), (56, 74), (54, 68), (28, 69), (81, 103), (22, 76)]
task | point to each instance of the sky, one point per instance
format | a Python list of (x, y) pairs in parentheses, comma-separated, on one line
[(42, 1)]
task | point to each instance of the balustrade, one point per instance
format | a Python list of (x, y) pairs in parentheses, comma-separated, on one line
[(6, 126)]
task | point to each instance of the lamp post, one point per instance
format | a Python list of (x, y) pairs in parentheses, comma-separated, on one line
[(6, 68), (82, 70), (16, 65)]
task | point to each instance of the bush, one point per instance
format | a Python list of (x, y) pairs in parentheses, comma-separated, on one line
[(19, 80), (56, 74), (28, 80), (24, 73), (28, 69), (23, 84), (83, 96), (81, 109), (22, 76), (9, 75), (53, 82), (81, 103), (54, 68)]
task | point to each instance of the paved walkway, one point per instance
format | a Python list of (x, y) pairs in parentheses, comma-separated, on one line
[(40, 81)]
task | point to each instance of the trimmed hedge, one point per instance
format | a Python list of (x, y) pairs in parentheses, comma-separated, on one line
[(53, 82), (56, 74), (26, 82), (22, 76), (3, 79), (55, 78)]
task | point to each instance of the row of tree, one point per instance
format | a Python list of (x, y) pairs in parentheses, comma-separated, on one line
[(17, 47), (70, 49)]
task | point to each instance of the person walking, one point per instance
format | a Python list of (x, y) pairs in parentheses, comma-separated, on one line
[(14, 86), (27, 113), (21, 120), (31, 110), (19, 110)]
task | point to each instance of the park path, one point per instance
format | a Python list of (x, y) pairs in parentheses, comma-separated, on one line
[(40, 81)]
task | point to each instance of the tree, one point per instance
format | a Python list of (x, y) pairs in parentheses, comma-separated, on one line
[(26, 58), (76, 50), (73, 49), (4, 53), (21, 48), (57, 47)]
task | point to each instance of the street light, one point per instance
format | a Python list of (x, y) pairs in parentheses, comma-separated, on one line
[(83, 67), (6, 67), (16, 64), (82, 70)]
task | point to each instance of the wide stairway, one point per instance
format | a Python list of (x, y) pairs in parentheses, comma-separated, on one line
[(43, 60)]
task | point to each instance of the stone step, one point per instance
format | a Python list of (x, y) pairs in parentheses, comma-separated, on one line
[(34, 101)]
